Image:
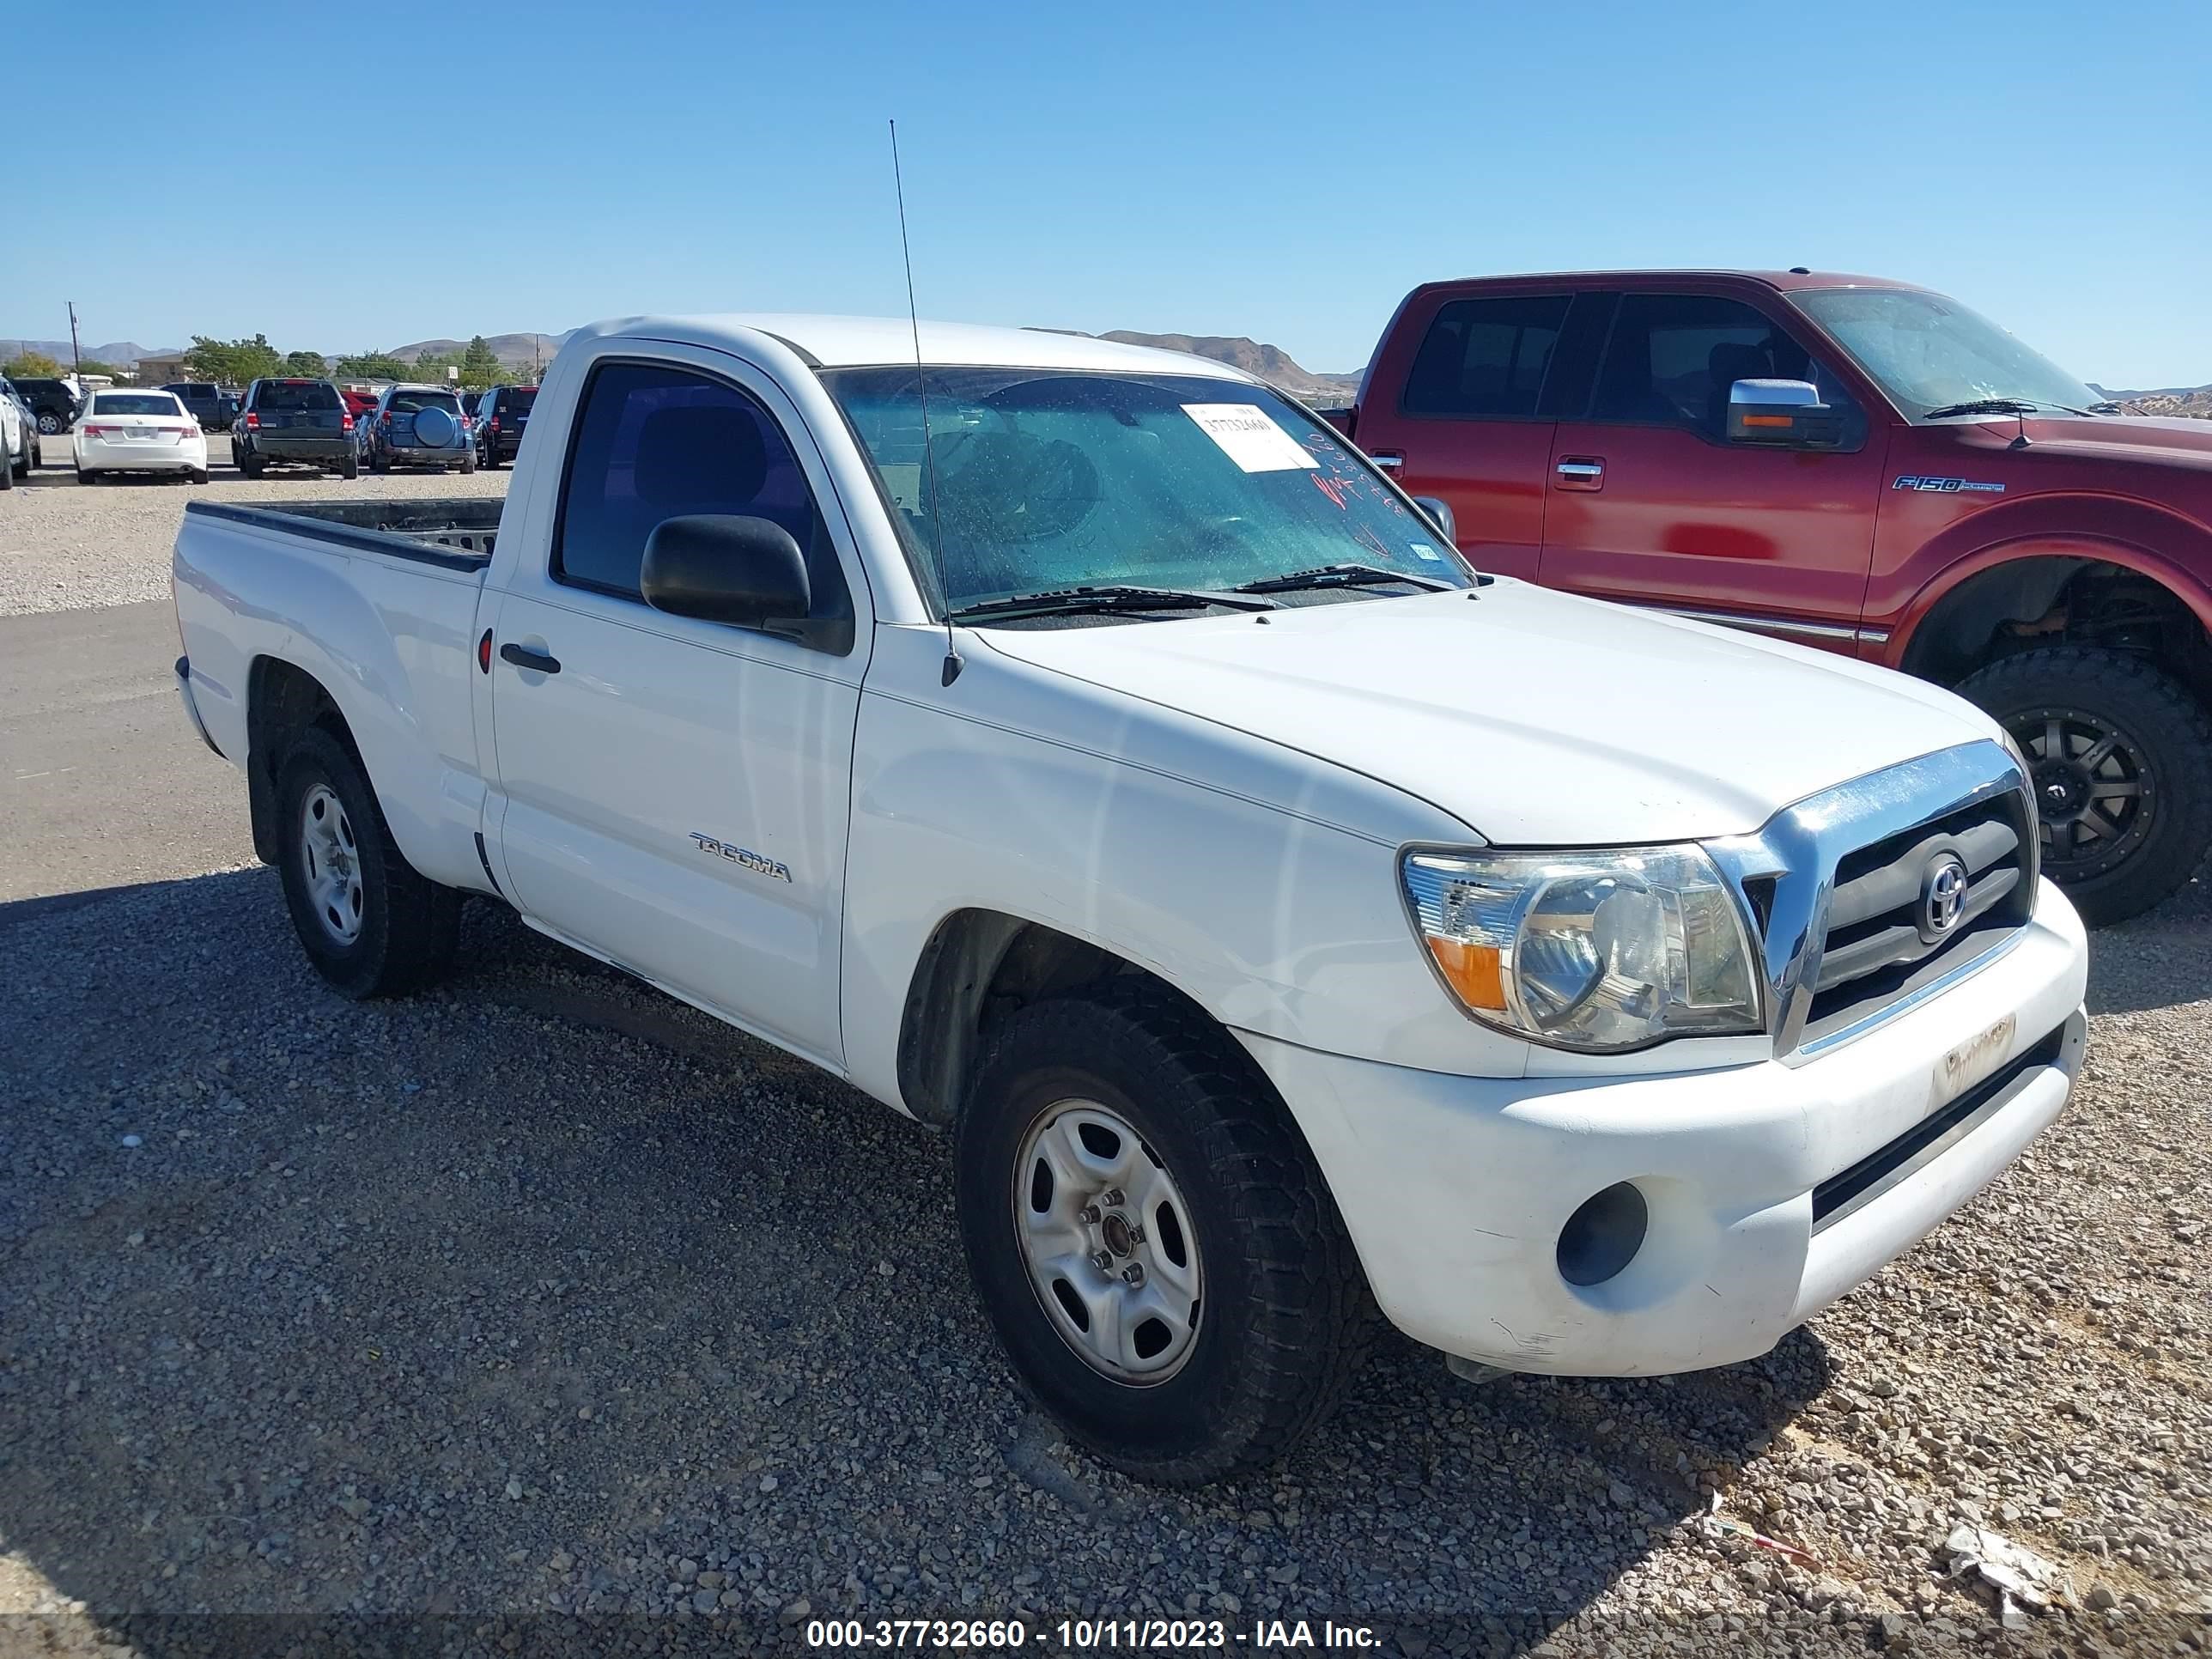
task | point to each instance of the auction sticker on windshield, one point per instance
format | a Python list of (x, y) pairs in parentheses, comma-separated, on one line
[(1250, 438)]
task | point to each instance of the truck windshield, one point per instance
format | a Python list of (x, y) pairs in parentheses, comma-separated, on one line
[(1929, 352), (1049, 479)]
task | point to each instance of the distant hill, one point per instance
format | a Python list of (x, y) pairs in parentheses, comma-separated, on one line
[(119, 352), (1271, 363), (507, 348), (2191, 401)]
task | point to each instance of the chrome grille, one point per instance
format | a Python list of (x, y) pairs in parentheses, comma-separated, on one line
[(1840, 883), (1879, 943)]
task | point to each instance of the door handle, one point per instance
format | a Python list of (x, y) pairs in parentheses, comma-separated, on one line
[(1389, 460), (523, 658), (1581, 472)]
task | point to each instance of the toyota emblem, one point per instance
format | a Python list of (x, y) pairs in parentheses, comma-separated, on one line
[(1942, 895)]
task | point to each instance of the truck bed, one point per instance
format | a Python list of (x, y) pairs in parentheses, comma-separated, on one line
[(457, 533)]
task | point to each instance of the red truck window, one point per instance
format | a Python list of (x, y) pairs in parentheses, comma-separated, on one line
[(1674, 356), (1485, 357)]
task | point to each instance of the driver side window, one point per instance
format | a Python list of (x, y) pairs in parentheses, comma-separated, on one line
[(1673, 358), (656, 441)]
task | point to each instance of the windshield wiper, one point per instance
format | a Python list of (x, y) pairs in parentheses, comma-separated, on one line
[(1115, 597), (1340, 575), (1999, 406)]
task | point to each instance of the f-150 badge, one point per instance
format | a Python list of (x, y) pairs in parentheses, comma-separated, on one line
[(1946, 486), (752, 861)]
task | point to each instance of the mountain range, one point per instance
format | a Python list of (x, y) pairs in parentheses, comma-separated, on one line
[(2191, 401), (119, 352)]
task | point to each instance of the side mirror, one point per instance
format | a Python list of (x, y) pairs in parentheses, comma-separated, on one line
[(725, 568), (1785, 412), (1440, 514)]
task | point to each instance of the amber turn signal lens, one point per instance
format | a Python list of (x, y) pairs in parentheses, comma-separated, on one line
[(1474, 971)]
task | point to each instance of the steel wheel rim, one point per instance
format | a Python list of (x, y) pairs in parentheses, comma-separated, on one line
[(330, 863), (2095, 792), (1108, 1241)]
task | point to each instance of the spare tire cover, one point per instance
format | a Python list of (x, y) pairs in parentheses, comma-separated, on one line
[(435, 427)]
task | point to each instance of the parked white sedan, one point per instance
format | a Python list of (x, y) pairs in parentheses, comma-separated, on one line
[(138, 431)]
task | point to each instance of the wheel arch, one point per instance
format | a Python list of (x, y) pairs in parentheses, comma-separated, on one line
[(282, 698), (978, 967), (1947, 630)]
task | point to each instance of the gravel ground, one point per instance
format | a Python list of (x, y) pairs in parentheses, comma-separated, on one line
[(553, 1309), (64, 546)]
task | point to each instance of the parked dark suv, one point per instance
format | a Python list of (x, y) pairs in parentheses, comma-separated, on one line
[(210, 405), (51, 401), (500, 416), (294, 420)]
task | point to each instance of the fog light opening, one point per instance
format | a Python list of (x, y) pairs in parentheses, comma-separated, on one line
[(1603, 1236)]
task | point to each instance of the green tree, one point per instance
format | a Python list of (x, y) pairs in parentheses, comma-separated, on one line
[(309, 363), (94, 365), (432, 365), (371, 366), (233, 363), (480, 366), (30, 365)]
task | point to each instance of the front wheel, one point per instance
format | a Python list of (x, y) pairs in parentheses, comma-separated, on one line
[(51, 425), (1152, 1239), (369, 922), (2120, 757)]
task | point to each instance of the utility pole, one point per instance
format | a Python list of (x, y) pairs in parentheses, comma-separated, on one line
[(76, 356)]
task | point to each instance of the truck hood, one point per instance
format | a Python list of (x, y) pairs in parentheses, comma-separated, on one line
[(1535, 717), (2166, 440)]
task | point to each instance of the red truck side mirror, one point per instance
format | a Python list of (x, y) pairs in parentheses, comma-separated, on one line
[(1789, 413)]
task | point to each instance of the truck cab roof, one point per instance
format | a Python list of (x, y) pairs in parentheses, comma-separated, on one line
[(834, 342), (1780, 280)]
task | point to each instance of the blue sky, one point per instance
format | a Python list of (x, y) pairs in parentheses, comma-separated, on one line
[(1284, 171)]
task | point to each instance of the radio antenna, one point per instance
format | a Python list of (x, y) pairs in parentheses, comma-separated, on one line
[(952, 664)]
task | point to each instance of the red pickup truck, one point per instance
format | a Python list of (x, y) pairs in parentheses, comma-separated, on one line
[(1858, 465)]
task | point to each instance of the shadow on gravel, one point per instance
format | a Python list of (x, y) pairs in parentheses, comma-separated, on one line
[(545, 1295)]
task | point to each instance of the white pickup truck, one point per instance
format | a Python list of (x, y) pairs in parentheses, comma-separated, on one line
[(1098, 756)]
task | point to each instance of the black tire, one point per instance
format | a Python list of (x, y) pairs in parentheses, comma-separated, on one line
[(8, 472), (85, 476), (50, 424), (199, 475), (2116, 854), (250, 465), (1284, 1318), (352, 467), (378, 464), (468, 462), (409, 926)]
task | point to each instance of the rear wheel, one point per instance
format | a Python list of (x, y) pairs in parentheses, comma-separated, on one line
[(352, 467), (468, 462), (2120, 754), (86, 475), (1152, 1239), (199, 475), (50, 424), (9, 469), (369, 922), (250, 465)]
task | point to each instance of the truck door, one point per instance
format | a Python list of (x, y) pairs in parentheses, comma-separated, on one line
[(675, 790), (1456, 410), (1649, 502)]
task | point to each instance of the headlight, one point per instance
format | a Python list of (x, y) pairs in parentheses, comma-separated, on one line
[(1595, 951)]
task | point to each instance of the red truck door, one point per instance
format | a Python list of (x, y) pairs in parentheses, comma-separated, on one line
[(1647, 501), (1458, 413)]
